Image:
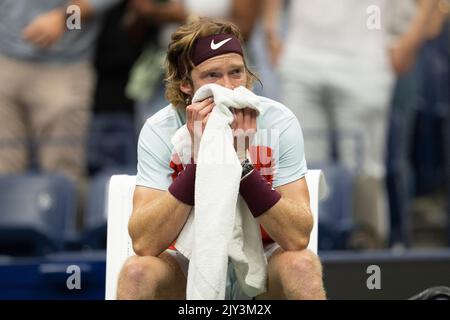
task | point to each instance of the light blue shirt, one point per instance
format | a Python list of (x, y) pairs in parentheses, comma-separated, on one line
[(277, 129), (76, 45)]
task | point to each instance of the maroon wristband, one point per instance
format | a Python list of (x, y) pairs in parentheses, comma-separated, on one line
[(183, 188), (258, 193)]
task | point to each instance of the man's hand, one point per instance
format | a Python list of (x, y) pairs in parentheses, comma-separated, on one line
[(244, 129), (45, 30), (403, 56), (197, 115)]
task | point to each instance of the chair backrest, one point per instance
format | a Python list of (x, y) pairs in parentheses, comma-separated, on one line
[(37, 211), (119, 245)]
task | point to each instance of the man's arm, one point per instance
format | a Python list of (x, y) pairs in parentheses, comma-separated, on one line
[(244, 14), (157, 219), (271, 12), (289, 222), (403, 53)]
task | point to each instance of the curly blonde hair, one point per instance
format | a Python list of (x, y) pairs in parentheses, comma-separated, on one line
[(179, 52)]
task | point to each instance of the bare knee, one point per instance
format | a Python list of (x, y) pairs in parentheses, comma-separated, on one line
[(299, 262), (134, 268), (300, 272), (136, 281)]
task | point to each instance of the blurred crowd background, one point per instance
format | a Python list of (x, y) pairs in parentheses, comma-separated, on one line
[(369, 82)]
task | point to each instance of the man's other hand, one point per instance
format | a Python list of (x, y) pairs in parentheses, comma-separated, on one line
[(244, 129)]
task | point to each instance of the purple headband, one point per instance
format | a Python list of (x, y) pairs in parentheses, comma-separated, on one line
[(214, 45)]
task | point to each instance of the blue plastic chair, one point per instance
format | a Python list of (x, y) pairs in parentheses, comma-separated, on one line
[(37, 213)]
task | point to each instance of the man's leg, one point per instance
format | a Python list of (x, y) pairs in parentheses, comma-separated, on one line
[(361, 111), (13, 129), (59, 102), (149, 278), (294, 275), (301, 91)]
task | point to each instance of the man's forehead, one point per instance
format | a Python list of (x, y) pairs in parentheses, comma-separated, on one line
[(217, 61)]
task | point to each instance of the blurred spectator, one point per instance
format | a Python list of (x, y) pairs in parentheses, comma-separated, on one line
[(117, 49), (411, 23), (146, 86), (47, 82), (431, 140), (337, 75)]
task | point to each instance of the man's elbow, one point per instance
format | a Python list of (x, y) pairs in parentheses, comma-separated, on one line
[(300, 237), (298, 243), (141, 245), (145, 250)]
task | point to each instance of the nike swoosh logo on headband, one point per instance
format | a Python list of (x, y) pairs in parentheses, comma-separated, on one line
[(216, 46)]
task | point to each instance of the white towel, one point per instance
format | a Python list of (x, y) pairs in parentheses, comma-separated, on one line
[(221, 226)]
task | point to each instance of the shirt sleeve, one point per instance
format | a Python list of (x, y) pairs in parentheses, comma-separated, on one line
[(154, 154), (291, 165)]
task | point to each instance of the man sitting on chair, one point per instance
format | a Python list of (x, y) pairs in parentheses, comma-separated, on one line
[(203, 52)]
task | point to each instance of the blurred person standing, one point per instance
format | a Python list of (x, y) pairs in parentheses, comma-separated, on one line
[(410, 24), (337, 74), (146, 86), (47, 82)]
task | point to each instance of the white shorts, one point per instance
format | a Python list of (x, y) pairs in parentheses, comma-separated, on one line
[(233, 290)]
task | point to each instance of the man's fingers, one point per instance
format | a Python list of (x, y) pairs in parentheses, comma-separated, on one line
[(198, 115), (33, 35), (247, 118), (203, 104), (192, 113), (41, 41), (239, 118), (233, 123), (205, 111), (188, 114), (253, 121), (38, 37), (29, 32)]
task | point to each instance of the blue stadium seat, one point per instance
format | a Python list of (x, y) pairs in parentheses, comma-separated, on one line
[(37, 213), (336, 210), (112, 142)]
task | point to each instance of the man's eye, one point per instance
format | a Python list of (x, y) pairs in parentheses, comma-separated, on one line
[(236, 72), (213, 74)]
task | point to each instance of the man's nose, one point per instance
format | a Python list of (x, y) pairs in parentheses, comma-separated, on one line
[(227, 83)]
